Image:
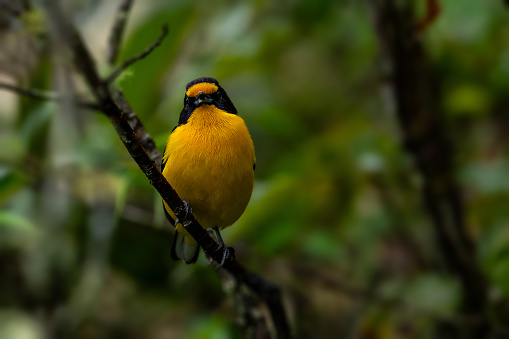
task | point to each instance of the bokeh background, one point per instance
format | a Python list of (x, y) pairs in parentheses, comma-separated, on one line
[(336, 218)]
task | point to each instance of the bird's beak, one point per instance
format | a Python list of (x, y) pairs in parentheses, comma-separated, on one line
[(202, 98)]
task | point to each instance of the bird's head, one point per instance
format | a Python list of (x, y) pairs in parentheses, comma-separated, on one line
[(207, 91)]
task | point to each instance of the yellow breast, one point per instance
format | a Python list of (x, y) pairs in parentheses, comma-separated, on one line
[(209, 162)]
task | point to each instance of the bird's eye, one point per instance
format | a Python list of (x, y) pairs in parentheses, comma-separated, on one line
[(219, 95), (186, 100)]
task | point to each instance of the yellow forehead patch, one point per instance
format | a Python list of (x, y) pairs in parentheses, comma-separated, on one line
[(205, 87)]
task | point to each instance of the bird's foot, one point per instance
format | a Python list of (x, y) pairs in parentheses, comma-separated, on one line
[(186, 209), (225, 250)]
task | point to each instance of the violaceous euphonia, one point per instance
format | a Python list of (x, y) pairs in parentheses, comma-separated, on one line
[(209, 160)]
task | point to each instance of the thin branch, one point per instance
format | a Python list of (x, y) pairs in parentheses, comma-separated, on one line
[(145, 53), (38, 94), (82, 59), (117, 31), (29, 93), (432, 12)]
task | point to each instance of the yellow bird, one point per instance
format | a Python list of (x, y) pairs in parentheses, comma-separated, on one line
[(209, 160)]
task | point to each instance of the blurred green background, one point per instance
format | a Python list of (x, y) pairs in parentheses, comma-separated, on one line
[(336, 218)]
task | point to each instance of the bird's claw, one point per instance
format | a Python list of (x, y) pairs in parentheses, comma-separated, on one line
[(186, 208), (226, 252)]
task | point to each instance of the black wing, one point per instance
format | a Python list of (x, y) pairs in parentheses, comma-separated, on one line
[(186, 112), (163, 160), (163, 163)]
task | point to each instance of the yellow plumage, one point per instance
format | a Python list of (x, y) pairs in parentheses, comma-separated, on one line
[(209, 162), (204, 87)]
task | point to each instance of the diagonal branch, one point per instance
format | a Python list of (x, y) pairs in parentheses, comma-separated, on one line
[(82, 59), (142, 55), (140, 131)]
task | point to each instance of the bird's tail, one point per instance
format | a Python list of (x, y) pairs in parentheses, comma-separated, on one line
[(184, 246)]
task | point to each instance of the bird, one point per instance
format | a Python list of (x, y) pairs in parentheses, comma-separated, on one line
[(209, 159)]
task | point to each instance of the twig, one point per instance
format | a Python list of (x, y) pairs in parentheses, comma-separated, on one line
[(117, 31), (432, 12), (129, 62), (29, 93), (82, 59), (44, 95)]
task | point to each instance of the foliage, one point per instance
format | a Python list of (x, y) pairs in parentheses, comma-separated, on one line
[(336, 218)]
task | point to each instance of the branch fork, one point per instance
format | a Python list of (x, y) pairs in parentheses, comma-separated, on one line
[(129, 129)]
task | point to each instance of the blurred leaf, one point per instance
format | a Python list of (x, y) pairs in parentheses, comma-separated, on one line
[(487, 177), (494, 254), (500, 273), (432, 293), (214, 327), (16, 231), (321, 245), (468, 100), (11, 181), (18, 325), (34, 126), (12, 148), (8, 220)]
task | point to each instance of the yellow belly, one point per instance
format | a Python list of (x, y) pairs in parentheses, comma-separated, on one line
[(209, 162)]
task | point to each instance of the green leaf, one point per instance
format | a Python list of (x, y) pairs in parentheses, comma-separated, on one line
[(468, 100)]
